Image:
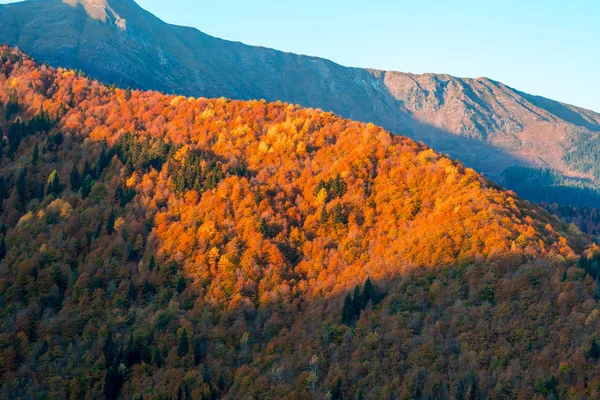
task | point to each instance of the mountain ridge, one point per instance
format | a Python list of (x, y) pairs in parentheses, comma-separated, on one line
[(485, 124)]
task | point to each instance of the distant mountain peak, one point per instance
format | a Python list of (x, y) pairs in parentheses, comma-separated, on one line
[(99, 10)]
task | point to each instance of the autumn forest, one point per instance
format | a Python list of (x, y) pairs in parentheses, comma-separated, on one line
[(163, 247)]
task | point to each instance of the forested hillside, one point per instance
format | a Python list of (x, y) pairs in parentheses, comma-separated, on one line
[(540, 184), (162, 247), (586, 219)]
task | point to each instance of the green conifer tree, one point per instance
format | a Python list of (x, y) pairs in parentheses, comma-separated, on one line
[(184, 345), (54, 186), (347, 313), (74, 179)]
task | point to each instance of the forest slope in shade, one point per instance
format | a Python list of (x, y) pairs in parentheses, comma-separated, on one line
[(165, 247), (483, 123)]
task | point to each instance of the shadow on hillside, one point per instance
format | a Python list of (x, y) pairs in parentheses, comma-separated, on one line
[(474, 153), (562, 111), (561, 194), (417, 330)]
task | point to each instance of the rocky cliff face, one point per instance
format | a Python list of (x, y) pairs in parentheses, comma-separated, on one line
[(533, 129), (99, 10), (486, 124)]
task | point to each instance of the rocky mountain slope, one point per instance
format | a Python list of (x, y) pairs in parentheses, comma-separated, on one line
[(159, 246), (483, 123)]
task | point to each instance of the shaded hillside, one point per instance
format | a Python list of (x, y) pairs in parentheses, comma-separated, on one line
[(483, 123), (174, 247)]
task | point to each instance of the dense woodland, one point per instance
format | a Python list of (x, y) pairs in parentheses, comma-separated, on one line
[(574, 201), (586, 219), (163, 247), (583, 154), (545, 185)]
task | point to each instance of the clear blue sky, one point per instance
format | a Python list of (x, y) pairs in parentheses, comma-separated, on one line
[(545, 47)]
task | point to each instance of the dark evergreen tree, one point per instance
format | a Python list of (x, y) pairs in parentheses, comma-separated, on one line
[(108, 349), (474, 392), (75, 179), (221, 383), (102, 163), (361, 395), (16, 132), (12, 107), (127, 196), (546, 387), (157, 359), (131, 292), (133, 353), (324, 215), (459, 393), (335, 187), (110, 222), (86, 188), (86, 170), (594, 351), (180, 284), (356, 303), (22, 187), (339, 217), (118, 194), (4, 193), (336, 390), (199, 350), (2, 248), (113, 381), (151, 263), (98, 231), (127, 354), (214, 176), (54, 186), (368, 293), (347, 312), (263, 227), (36, 155), (184, 345), (54, 141), (39, 123)]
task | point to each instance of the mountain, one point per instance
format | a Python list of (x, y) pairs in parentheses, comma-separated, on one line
[(485, 124), (159, 246)]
